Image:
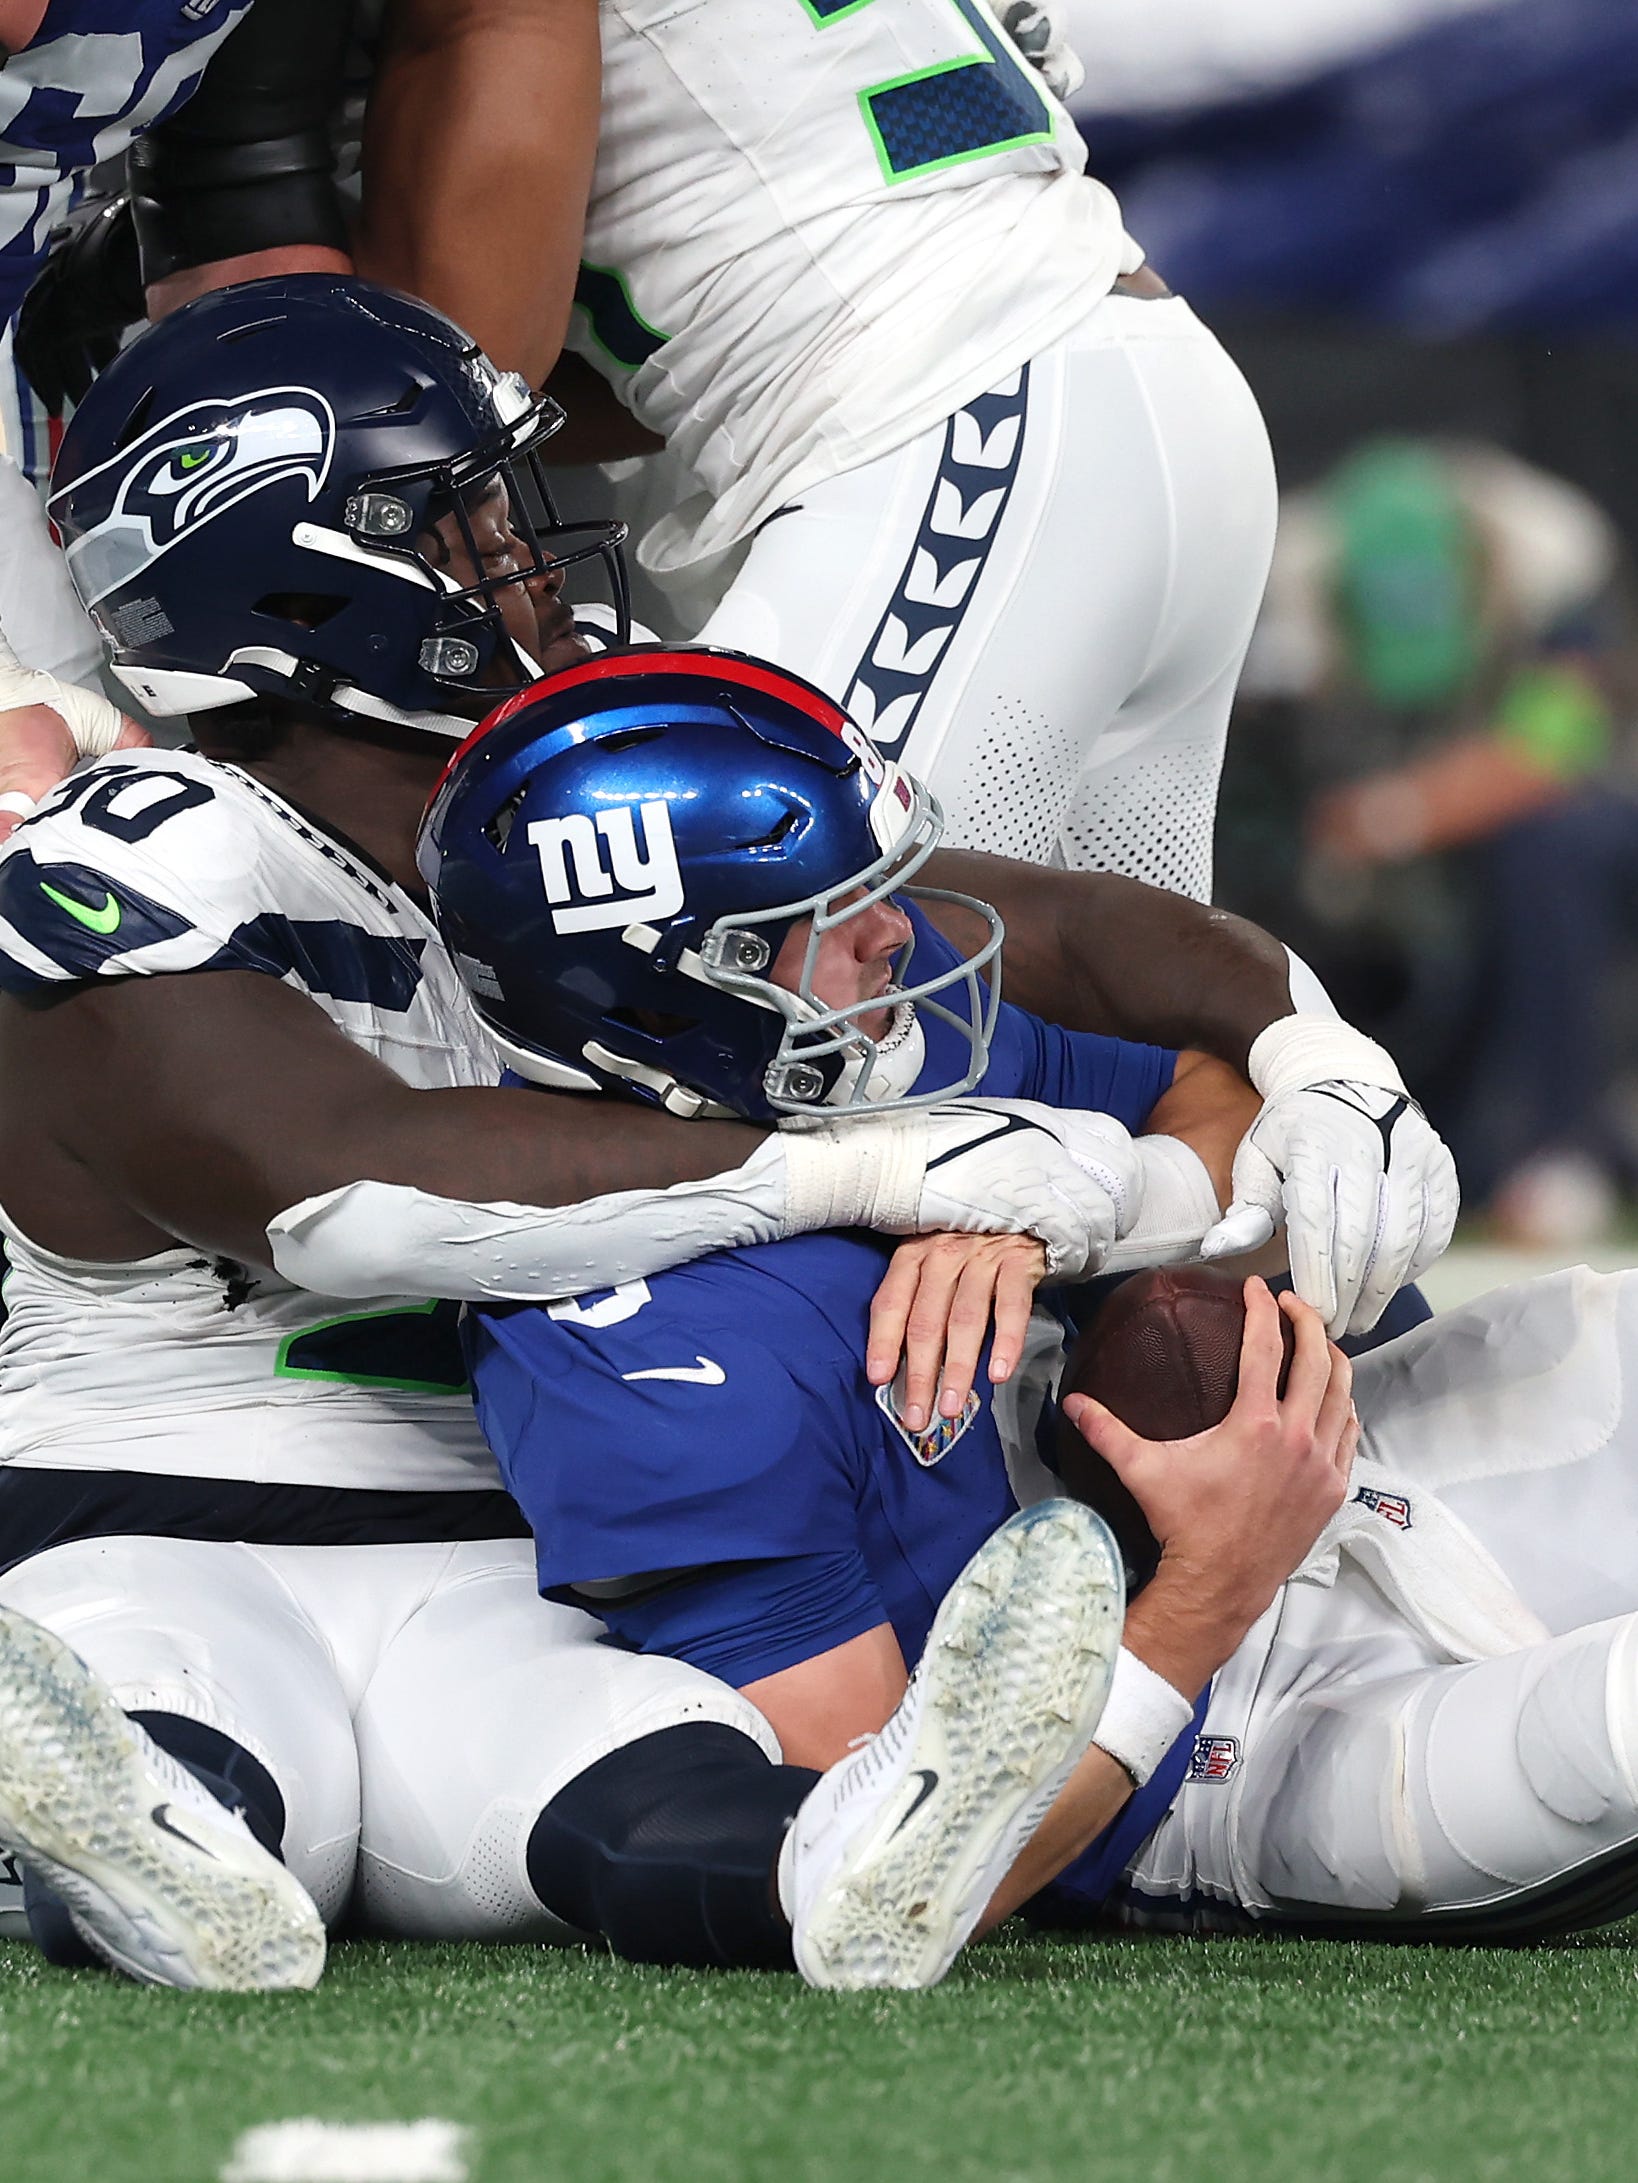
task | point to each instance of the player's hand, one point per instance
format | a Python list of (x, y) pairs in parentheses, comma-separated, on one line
[(1367, 1189), (934, 1309), (1012, 1166), (1344, 1156), (1237, 1508), (1043, 40), (46, 727)]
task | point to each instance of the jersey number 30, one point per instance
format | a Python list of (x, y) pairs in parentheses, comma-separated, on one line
[(954, 110)]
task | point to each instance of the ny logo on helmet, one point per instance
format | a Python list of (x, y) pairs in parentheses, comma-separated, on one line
[(187, 469), (638, 884)]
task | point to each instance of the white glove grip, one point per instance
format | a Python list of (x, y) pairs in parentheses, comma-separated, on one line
[(1143, 1718), (1300, 1050), (90, 719)]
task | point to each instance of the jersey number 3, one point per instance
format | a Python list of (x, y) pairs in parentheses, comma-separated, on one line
[(953, 110)]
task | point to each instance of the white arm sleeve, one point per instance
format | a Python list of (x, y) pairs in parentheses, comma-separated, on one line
[(378, 1238), (1179, 1205)]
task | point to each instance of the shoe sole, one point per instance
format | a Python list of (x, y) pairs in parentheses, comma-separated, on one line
[(78, 1804), (1015, 1676)]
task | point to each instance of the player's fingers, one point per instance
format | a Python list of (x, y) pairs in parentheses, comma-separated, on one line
[(36, 753), (1014, 1305), (1120, 1447), (1310, 1371), (1311, 1230), (1337, 1407), (1347, 1447), (966, 1326), (1261, 1350), (1404, 1224), (1244, 1227), (890, 1313)]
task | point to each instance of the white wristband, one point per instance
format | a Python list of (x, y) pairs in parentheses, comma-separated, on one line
[(1143, 1718), (1300, 1050), (1179, 1205)]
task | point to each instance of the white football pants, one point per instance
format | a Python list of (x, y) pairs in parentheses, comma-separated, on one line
[(417, 1706), (1042, 605), (1350, 1775)]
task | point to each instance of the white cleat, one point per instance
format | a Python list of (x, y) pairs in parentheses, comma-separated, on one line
[(160, 1878), (897, 1850)]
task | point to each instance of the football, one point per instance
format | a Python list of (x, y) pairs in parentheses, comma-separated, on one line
[(1164, 1355)]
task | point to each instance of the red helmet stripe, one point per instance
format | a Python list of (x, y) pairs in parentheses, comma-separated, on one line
[(724, 667)]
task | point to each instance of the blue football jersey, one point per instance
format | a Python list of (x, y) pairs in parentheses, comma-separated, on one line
[(700, 1455)]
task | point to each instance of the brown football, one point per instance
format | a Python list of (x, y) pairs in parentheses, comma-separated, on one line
[(1164, 1355)]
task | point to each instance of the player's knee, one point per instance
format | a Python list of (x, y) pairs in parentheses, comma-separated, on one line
[(666, 1849)]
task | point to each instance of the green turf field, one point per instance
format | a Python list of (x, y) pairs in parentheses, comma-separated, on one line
[(1178, 2062)]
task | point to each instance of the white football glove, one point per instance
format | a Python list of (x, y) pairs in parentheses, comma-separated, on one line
[(1341, 1153), (978, 1167), (1042, 39)]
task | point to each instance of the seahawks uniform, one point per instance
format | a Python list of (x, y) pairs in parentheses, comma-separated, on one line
[(844, 257), (263, 1509)]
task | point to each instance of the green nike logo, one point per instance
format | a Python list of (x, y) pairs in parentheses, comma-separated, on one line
[(105, 920)]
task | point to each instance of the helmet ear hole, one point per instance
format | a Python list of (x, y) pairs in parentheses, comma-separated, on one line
[(302, 609), (652, 1022), (498, 830)]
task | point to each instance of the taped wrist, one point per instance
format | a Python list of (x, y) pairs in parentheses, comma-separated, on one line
[(1143, 1718), (1179, 1205), (194, 202), (1312, 1049), (95, 725), (865, 1174)]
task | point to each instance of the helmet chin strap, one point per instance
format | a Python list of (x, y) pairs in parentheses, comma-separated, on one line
[(893, 1067)]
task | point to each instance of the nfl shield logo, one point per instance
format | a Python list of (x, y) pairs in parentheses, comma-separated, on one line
[(1216, 1758), (934, 1444), (1393, 1508)]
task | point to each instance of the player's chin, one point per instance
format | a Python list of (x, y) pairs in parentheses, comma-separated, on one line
[(563, 651)]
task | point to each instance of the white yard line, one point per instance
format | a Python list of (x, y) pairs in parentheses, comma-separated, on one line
[(306, 2150)]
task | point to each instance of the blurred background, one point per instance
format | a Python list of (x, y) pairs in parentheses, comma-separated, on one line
[(1415, 222)]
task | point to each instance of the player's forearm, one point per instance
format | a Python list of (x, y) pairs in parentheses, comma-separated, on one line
[(1097, 952), (1093, 1796), (478, 148)]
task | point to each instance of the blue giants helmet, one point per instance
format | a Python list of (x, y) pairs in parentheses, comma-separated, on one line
[(617, 856), (246, 499)]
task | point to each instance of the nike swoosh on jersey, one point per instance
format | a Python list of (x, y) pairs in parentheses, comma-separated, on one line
[(703, 1372), (105, 920)]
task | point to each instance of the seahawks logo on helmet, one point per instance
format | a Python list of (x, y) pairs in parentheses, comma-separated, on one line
[(186, 470)]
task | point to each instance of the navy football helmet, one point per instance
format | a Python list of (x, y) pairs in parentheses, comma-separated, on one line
[(617, 856), (244, 494)]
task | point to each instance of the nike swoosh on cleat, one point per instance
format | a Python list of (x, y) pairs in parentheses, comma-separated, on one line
[(929, 1782), (704, 1372), (105, 920), (157, 1815)]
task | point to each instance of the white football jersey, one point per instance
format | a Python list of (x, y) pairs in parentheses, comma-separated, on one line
[(818, 226), (161, 861)]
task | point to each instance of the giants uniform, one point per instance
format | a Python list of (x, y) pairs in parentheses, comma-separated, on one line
[(272, 1511), (1433, 1732), (842, 255)]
